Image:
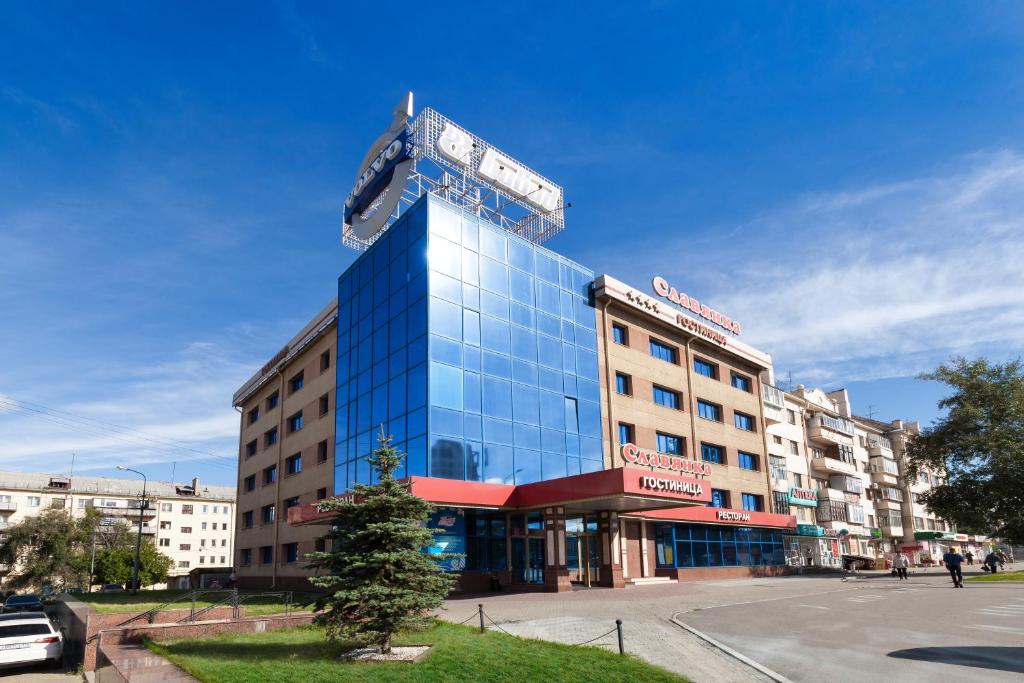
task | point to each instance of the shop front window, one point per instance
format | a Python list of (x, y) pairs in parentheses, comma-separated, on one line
[(696, 545)]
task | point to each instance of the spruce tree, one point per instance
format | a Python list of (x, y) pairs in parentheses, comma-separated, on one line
[(377, 572)]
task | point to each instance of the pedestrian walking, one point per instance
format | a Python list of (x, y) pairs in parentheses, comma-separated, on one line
[(970, 557), (992, 562), (900, 562), (952, 559)]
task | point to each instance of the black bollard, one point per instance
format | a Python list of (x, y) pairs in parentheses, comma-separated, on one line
[(480, 606), (618, 627)]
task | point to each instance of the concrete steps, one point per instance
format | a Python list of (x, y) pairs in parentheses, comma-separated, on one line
[(648, 580)]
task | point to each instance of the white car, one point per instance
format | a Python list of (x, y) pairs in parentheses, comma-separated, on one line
[(29, 638)]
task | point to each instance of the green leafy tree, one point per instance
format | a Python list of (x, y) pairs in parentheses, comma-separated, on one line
[(979, 445), (114, 565), (49, 549), (378, 573)]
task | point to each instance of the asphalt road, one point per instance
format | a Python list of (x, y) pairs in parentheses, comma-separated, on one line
[(921, 630), (37, 674)]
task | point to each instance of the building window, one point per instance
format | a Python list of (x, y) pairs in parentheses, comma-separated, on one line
[(794, 448), (712, 453), (266, 554), (321, 452), (203, 527), (268, 514), (34, 501), (202, 560), (325, 360), (753, 502), (743, 421), (777, 439), (719, 499), (270, 437), (664, 352), (293, 465), (186, 509), (625, 433), (186, 529), (246, 557), (247, 519), (295, 422), (272, 401), (798, 480), (791, 416), (666, 397), (668, 443), (250, 483), (741, 382), (296, 383), (254, 415), (620, 335), (291, 502), (781, 500), (320, 545), (748, 461), (183, 564), (250, 448), (778, 467), (165, 525), (165, 507), (709, 411), (325, 404), (165, 542), (321, 493), (291, 552), (706, 368), (269, 475)]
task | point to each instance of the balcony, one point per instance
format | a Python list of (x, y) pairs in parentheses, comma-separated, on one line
[(774, 403), (126, 513), (880, 446), (846, 483), (826, 463), (8, 506), (883, 476), (830, 430)]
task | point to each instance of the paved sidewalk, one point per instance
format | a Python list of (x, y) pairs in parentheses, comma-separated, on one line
[(646, 613)]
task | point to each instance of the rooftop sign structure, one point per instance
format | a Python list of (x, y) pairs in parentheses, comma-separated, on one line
[(432, 154)]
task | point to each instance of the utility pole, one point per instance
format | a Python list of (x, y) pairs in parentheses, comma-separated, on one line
[(138, 536)]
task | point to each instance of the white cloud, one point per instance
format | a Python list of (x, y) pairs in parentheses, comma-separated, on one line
[(186, 400), (880, 281)]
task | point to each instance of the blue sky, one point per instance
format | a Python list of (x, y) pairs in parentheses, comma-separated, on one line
[(845, 179)]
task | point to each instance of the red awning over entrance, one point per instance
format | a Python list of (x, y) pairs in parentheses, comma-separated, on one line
[(619, 489)]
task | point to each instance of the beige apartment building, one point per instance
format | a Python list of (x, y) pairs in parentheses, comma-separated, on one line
[(286, 455), (191, 523)]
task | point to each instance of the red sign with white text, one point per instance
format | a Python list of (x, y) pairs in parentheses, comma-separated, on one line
[(662, 288), (635, 455)]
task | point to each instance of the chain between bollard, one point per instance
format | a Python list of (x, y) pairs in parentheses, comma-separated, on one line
[(617, 630)]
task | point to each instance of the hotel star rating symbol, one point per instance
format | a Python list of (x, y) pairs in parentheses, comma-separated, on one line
[(642, 301)]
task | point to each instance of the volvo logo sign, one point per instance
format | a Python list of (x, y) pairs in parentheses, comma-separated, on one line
[(381, 178)]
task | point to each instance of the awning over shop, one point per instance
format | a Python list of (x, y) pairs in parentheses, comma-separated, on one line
[(620, 489)]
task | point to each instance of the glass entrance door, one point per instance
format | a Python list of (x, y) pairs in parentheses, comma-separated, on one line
[(583, 550), (528, 560)]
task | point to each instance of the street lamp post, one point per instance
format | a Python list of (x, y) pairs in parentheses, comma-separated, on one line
[(138, 536)]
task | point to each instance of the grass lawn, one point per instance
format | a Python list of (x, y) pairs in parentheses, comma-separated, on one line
[(146, 600), (460, 653), (1001, 576)]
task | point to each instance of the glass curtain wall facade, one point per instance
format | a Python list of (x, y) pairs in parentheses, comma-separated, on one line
[(474, 348)]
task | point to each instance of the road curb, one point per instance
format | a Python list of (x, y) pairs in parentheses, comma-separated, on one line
[(760, 668)]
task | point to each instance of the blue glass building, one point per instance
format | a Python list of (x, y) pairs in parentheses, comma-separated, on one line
[(475, 349)]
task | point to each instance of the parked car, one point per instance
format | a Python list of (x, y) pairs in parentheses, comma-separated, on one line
[(111, 588), (22, 603), (29, 638)]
